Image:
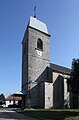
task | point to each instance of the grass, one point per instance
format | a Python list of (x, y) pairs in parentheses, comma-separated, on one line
[(52, 114)]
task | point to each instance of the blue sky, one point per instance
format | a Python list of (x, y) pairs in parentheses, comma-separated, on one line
[(62, 19)]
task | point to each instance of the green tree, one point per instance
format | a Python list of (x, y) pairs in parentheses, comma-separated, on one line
[(74, 80), (2, 99)]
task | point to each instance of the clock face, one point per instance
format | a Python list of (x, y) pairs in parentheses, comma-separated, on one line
[(39, 52)]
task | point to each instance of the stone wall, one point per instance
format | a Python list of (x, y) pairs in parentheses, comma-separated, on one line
[(25, 63), (37, 64), (48, 95), (60, 93)]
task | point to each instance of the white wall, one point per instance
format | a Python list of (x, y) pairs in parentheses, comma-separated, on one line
[(48, 95)]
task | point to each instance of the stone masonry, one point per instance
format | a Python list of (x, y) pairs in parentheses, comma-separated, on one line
[(43, 84)]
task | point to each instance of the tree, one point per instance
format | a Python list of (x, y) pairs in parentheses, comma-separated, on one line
[(2, 99), (74, 79)]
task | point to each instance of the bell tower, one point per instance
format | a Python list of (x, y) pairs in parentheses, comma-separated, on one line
[(35, 57)]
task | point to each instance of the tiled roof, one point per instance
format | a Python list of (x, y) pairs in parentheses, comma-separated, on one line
[(11, 98), (60, 69)]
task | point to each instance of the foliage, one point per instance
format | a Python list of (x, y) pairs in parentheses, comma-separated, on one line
[(2, 99), (52, 114), (75, 76)]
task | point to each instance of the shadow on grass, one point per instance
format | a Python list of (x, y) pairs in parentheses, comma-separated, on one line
[(51, 114)]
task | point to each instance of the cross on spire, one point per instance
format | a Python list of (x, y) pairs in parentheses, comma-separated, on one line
[(35, 12)]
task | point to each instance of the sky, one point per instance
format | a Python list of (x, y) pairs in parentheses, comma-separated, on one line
[(62, 20)]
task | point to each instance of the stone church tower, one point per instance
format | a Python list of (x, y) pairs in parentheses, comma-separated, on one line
[(44, 84), (35, 60)]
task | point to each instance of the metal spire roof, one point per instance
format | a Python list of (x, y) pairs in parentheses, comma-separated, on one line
[(35, 23)]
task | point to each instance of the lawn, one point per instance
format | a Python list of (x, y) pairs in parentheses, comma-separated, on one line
[(52, 114)]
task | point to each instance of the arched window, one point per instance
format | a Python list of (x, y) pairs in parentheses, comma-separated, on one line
[(39, 44)]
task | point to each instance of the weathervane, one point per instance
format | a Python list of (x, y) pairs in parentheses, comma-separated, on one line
[(35, 12)]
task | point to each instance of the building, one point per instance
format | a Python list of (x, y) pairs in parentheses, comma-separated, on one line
[(14, 100), (44, 84)]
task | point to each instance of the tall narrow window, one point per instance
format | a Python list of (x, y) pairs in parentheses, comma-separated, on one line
[(39, 44)]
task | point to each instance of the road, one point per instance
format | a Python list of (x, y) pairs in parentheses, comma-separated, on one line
[(12, 115)]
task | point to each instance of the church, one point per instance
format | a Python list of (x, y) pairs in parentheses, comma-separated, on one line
[(44, 84)]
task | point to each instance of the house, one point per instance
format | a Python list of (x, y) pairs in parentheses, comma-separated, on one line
[(14, 99)]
